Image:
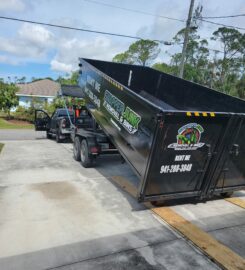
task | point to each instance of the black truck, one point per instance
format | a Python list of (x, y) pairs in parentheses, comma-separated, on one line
[(58, 125)]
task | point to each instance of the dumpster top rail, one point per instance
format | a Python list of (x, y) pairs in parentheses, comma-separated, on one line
[(167, 91)]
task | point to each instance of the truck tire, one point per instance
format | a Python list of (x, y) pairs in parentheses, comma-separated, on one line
[(86, 159), (227, 194), (57, 136), (77, 149), (48, 135)]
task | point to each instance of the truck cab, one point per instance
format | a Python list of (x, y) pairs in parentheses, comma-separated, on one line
[(57, 125)]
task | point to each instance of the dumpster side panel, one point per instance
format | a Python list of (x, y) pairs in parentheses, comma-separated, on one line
[(128, 120), (183, 151)]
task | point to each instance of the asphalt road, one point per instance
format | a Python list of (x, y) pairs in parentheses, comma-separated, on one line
[(54, 214)]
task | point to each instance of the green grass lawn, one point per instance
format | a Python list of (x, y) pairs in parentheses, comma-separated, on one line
[(1, 146), (8, 125)]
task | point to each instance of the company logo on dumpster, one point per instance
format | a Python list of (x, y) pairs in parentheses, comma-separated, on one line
[(188, 137), (126, 116)]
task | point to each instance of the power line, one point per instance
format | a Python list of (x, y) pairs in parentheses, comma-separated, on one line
[(161, 16), (135, 10), (221, 17), (221, 24), (90, 31), (81, 29), (209, 49)]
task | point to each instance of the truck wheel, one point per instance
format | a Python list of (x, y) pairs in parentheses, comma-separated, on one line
[(57, 137), (158, 203), (227, 194), (86, 159), (48, 136), (77, 149)]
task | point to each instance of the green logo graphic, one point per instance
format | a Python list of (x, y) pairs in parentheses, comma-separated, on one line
[(128, 118), (132, 117), (188, 137)]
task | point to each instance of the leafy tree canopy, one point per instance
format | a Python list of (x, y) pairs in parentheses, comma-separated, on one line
[(72, 80), (8, 98), (141, 52)]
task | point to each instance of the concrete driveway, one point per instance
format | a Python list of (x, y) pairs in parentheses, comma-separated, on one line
[(54, 214), (21, 134)]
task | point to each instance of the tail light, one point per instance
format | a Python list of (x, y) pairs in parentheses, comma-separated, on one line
[(94, 150), (77, 113)]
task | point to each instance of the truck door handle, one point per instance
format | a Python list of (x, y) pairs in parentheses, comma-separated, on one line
[(235, 150)]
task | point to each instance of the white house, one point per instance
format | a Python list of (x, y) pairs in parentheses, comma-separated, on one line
[(43, 90)]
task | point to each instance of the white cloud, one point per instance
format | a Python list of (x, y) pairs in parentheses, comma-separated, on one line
[(31, 41), (35, 34), (12, 5), (69, 51), (21, 48), (59, 66), (6, 59), (164, 29), (35, 43)]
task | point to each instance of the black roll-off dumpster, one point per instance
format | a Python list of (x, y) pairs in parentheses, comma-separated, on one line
[(180, 138)]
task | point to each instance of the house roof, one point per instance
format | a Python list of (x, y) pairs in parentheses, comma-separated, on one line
[(43, 88)]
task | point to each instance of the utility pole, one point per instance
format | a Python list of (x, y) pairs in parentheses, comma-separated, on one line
[(187, 29)]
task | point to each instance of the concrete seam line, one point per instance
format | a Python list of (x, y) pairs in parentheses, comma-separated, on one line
[(113, 253), (236, 201), (223, 228), (213, 249), (219, 253)]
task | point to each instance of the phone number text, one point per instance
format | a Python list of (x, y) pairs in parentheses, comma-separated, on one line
[(176, 168)]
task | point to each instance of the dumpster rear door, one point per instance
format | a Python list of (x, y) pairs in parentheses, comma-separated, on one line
[(185, 145), (229, 173)]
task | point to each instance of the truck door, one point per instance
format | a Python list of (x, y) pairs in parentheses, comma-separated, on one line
[(53, 121), (42, 120)]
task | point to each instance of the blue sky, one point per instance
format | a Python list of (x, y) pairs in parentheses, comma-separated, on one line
[(37, 51)]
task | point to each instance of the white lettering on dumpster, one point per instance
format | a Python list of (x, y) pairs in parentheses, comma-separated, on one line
[(92, 96), (182, 157), (176, 168), (91, 81)]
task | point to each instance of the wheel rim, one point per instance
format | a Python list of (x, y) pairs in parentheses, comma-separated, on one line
[(82, 153)]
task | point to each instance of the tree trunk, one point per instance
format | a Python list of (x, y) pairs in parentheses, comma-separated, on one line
[(8, 114)]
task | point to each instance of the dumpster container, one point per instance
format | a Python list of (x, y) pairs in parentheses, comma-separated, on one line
[(180, 138)]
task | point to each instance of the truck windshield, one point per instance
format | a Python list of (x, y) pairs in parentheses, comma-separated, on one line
[(64, 113)]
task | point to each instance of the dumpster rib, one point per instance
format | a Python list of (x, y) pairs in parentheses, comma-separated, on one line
[(237, 201), (217, 252)]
